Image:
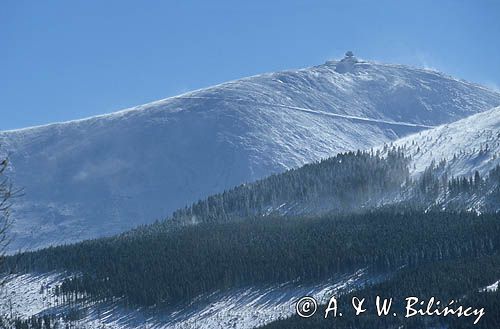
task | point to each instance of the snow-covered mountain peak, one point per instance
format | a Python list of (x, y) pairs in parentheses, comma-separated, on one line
[(346, 64), (361, 74), (105, 174)]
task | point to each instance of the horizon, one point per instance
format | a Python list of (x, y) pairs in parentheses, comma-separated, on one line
[(64, 62), (134, 107)]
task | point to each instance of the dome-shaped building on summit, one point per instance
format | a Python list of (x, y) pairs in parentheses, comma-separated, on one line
[(346, 64)]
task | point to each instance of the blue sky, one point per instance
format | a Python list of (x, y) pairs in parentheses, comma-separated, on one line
[(62, 60)]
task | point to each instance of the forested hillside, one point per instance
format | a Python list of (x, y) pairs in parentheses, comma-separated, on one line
[(358, 210), (180, 265), (436, 188), (346, 182), (462, 280), (353, 181)]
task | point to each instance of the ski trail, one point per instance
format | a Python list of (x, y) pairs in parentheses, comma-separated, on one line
[(306, 110)]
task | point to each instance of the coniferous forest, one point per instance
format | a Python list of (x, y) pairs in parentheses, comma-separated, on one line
[(450, 280), (182, 264), (240, 165), (340, 183), (251, 236)]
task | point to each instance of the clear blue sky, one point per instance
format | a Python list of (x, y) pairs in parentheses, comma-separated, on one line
[(62, 60)]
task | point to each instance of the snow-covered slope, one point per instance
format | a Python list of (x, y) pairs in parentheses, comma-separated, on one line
[(103, 175), (467, 145), (33, 294)]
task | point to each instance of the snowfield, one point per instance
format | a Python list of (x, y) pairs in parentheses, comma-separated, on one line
[(237, 308), (28, 294), (103, 175), (467, 145)]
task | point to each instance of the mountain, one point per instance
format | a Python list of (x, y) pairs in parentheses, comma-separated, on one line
[(106, 174)]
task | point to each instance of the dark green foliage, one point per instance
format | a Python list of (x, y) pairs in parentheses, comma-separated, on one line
[(434, 189), (181, 264), (341, 183), (240, 242), (457, 279), (463, 184), (346, 183)]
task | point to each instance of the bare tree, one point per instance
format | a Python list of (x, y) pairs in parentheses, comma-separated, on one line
[(6, 194)]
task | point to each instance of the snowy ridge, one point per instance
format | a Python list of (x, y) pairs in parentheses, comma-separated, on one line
[(106, 174), (467, 145)]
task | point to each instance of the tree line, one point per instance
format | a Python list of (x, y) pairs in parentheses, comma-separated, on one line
[(340, 183), (177, 266)]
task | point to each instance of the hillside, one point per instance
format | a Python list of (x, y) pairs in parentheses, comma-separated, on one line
[(467, 145), (242, 269), (248, 273), (103, 175), (452, 161)]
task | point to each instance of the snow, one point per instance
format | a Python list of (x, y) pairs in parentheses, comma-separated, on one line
[(103, 175), (467, 145), (22, 295), (343, 116), (493, 287), (237, 308)]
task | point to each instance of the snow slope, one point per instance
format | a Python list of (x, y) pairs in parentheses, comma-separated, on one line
[(246, 308), (467, 145), (106, 174)]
